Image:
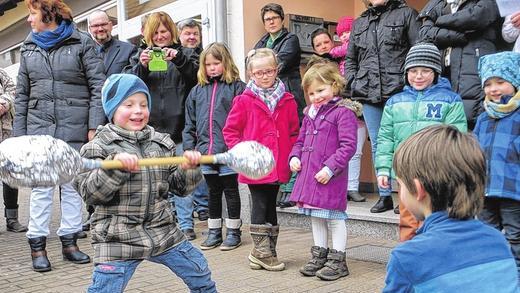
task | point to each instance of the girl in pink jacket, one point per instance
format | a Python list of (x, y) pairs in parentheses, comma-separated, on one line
[(265, 113)]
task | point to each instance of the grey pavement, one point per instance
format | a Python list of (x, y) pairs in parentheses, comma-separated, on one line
[(366, 258)]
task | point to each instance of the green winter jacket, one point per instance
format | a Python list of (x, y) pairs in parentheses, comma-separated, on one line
[(410, 111)]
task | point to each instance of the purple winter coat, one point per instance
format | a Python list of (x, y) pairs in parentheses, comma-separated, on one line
[(328, 140)]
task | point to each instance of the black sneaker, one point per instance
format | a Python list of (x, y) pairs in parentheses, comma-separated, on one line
[(189, 233), (203, 215), (385, 203)]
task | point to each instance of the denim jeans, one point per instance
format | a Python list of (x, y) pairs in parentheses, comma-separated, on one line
[(184, 206), (184, 260), (40, 208), (504, 214), (372, 114), (354, 165)]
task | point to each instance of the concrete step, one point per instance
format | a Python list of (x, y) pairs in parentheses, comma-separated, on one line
[(361, 221)]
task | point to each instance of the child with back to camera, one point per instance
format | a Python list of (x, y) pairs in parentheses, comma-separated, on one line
[(498, 132), (265, 113), (133, 219), (207, 108), (441, 173), (426, 99), (326, 142)]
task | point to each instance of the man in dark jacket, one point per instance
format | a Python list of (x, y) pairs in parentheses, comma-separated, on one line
[(116, 54), (464, 31), (380, 39)]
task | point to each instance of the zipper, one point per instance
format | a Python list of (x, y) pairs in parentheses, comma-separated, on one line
[(148, 203), (415, 106), (211, 105), (490, 153)]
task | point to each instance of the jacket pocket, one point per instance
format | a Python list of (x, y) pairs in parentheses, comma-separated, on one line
[(359, 85), (393, 34), (32, 103)]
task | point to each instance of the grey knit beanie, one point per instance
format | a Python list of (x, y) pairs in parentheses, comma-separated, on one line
[(425, 55)]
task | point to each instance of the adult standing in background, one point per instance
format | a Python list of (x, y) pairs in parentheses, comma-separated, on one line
[(463, 31), (190, 38), (287, 48), (379, 42), (169, 88), (115, 53), (7, 89), (57, 94)]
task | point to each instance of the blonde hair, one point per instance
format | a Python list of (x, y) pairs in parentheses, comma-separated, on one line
[(449, 164), (220, 52), (324, 72), (153, 21), (259, 54)]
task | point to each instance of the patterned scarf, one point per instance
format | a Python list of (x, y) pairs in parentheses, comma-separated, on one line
[(507, 106), (270, 96)]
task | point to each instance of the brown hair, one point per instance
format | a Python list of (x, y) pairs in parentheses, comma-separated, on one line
[(220, 52), (52, 10), (153, 21), (449, 164), (324, 72), (320, 31), (273, 7)]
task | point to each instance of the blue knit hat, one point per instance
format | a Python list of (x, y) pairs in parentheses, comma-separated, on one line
[(505, 65), (117, 88)]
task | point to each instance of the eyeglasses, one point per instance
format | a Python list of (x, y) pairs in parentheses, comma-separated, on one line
[(260, 73), (272, 18), (104, 24), (422, 72)]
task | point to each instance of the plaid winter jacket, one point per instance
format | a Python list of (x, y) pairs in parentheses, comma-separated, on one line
[(7, 89), (500, 141), (132, 218)]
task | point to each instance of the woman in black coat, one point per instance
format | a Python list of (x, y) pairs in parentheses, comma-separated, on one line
[(287, 48)]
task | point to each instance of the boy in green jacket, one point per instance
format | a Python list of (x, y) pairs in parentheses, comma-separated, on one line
[(427, 99)]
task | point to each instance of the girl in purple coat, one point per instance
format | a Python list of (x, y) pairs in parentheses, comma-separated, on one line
[(326, 142)]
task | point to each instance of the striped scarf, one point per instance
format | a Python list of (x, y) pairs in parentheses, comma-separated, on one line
[(271, 96)]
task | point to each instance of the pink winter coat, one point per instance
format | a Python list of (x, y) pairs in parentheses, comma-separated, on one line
[(251, 119)]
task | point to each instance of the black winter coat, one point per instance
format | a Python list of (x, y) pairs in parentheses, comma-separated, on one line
[(58, 92), (288, 51), (207, 108), (379, 42), (168, 90), (471, 32)]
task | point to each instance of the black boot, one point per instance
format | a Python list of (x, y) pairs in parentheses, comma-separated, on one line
[(40, 261), (318, 260), (214, 235), (232, 234), (335, 267), (385, 203), (355, 196), (71, 250), (11, 219)]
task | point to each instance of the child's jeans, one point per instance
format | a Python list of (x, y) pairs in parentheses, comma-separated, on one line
[(504, 213), (184, 260)]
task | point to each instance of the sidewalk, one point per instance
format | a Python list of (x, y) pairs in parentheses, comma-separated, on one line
[(366, 259)]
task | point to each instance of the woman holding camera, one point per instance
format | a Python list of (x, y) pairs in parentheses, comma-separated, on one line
[(168, 88)]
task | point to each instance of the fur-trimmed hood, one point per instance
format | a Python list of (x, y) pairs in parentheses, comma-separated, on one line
[(356, 107)]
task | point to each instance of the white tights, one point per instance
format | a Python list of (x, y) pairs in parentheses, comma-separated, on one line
[(338, 230)]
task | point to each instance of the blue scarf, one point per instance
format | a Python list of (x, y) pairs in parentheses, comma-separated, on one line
[(48, 39)]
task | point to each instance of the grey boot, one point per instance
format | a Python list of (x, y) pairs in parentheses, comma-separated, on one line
[(335, 267), (12, 224), (233, 234), (261, 255), (318, 260)]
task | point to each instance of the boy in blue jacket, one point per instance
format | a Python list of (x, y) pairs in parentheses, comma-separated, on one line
[(498, 132), (441, 174)]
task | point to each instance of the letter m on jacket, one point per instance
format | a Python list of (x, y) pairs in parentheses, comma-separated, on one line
[(434, 111)]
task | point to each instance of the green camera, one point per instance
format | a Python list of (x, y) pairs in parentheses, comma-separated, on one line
[(157, 62)]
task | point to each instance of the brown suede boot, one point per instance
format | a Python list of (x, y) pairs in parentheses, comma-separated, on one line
[(261, 254)]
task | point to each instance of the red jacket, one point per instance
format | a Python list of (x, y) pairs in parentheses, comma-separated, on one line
[(251, 119)]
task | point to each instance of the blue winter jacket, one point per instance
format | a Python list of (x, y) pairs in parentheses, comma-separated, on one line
[(500, 140), (450, 255)]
